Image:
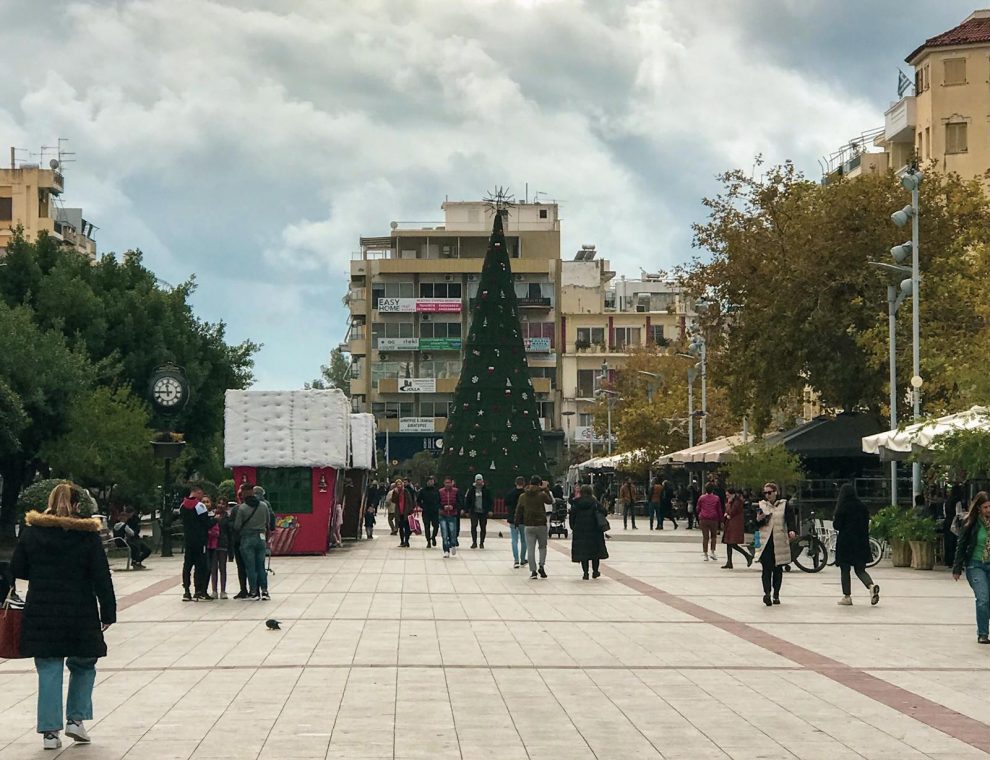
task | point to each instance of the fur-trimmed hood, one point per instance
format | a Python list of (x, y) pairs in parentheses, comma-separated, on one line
[(45, 520)]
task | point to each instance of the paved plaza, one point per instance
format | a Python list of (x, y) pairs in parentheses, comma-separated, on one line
[(399, 653)]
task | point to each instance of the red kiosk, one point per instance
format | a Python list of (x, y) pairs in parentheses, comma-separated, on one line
[(295, 445)]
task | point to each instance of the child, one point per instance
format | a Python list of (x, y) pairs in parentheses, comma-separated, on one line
[(220, 542), (369, 518)]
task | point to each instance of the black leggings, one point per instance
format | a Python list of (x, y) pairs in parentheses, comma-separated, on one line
[(773, 574), (847, 580), (738, 548), (594, 565)]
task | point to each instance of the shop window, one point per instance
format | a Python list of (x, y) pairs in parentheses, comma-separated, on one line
[(288, 489)]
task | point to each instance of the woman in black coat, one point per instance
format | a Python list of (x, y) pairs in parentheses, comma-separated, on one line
[(852, 546), (61, 555), (587, 538)]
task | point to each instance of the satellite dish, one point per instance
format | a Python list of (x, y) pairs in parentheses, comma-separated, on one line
[(54, 164), (393, 225)]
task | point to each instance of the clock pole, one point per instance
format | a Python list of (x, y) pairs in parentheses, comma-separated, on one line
[(168, 391)]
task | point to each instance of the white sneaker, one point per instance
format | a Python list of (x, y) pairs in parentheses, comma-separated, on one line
[(223, 594), (453, 551), (50, 740), (845, 601), (446, 555), (705, 555), (76, 731), (515, 565), (714, 557)]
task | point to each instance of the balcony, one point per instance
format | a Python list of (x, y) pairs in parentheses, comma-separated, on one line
[(900, 120), (537, 304), (442, 385)]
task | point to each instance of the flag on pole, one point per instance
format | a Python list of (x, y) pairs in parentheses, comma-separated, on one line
[(902, 83)]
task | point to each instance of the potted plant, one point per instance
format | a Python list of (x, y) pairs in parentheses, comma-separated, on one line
[(887, 525), (581, 345), (920, 533)]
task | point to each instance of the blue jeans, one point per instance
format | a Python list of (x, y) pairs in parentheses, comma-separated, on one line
[(449, 528), (518, 535), (79, 705), (978, 575), (253, 551)]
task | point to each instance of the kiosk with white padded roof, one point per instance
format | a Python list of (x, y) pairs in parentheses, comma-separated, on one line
[(294, 444), (355, 489)]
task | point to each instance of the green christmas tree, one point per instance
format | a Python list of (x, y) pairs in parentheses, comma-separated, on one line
[(494, 426)]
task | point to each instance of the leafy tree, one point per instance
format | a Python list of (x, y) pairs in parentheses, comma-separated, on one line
[(106, 445), (791, 255), (420, 466), (335, 374), (35, 497), (961, 454), (753, 464)]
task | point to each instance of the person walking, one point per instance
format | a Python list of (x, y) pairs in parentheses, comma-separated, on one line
[(251, 522), (531, 511), (370, 509), (954, 512), (196, 524), (777, 523), (852, 545), (653, 505), (393, 525), (517, 532), (587, 536), (428, 500), (973, 555), (627, 498), (709, 517), (666, 504), (450, 516), (479, 504), (70, 603), (403, 501), (734, 530)]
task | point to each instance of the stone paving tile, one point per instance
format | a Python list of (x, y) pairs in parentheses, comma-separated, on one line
[(389, 653)]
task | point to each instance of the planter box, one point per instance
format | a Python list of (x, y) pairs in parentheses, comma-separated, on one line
[(922, 555), (900, 553)]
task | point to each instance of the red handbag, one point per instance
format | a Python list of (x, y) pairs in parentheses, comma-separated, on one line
[(11, 619)]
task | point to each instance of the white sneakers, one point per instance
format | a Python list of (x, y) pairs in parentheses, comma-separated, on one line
[(453, 551), (446, 555), (50, 740), (845, 601), (714, 557), (76, 731)]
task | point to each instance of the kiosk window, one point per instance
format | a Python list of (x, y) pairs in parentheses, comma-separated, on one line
[(288, 489)]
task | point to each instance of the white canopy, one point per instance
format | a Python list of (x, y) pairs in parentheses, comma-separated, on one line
[(609, 462), (900, 444), (716, 451)]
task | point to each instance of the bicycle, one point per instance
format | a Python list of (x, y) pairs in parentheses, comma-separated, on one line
[(809, 551)]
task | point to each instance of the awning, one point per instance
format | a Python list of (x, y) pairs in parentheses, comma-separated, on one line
[(831, 437), (902, 443), (712, 451), (614, 461)]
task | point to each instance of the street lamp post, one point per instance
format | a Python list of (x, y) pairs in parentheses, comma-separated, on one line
[(911, 181)]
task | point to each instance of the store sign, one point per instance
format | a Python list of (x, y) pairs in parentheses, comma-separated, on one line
[(398, 344), (538, 345), (417, 385), (427, 305), (586, 434), (439, 344), (417, 425)]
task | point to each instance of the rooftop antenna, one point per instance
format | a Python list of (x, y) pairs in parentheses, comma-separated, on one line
[(500, 199), (62, 155)]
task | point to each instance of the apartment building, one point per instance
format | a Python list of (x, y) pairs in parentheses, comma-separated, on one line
[(410, 297), (28, 199), (602, 319), (944, 118)]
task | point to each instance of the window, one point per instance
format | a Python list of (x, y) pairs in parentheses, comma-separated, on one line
[(545, 409), (433, 329), (926, 77), (586, 383), (585, 420), (381, 290), (534, 289), (543, 213), (626, 337), (440, 368), (392, 410), (591, 336), (538, 330), (440, 290), (6, 209), (434, 408), (656, 335), (288, 489), (956, 138), (955, 71), (380, 370), (390, 329), (928, 142), (544, 372)]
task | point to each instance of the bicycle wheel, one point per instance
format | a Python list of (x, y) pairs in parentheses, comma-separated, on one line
[(876, 552), (809, 554)]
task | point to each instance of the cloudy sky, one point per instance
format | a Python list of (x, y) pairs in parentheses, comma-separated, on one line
[(252, 142)]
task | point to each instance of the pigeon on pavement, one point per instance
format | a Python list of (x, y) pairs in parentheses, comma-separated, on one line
[(273, 625)]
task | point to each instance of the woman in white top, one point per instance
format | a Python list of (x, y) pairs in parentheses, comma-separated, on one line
[(777, 523)]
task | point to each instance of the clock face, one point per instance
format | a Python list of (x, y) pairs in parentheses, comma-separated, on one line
[(167, 391)]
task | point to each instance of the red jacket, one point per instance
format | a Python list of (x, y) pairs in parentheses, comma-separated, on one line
[(709, 507)]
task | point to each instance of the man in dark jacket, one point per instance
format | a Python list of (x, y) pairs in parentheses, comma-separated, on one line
[(517, 532), (428, 500), (128, 530), (478, 502), (196, 524), (251, 521), (531, 511)]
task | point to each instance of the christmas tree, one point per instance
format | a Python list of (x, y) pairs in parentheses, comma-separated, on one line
[(494, 428)]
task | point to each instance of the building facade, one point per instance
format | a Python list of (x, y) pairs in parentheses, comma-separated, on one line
[(602, 320), (28, 199), (410, 297)]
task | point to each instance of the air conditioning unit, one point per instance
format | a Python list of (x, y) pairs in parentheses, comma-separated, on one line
[(472, 278), (448, 277), (425, 317)]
